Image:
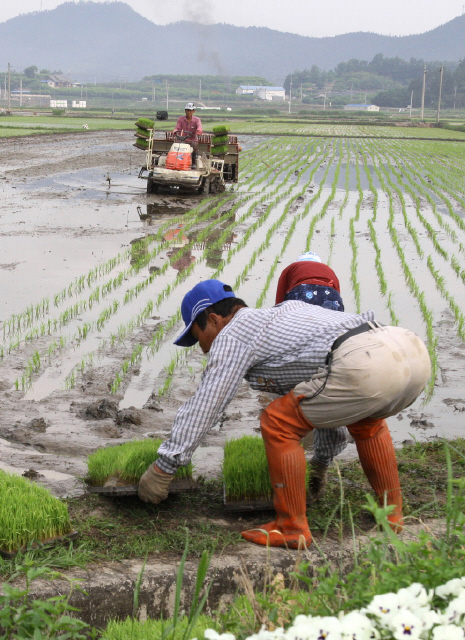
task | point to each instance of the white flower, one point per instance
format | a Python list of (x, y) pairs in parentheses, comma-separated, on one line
[(448, 632), (455, 610), (416, 595), (384, 607), (265, 634), (406, 625), (452, 588), (211, 634), (428, 617), (356, 626), (315, 628)]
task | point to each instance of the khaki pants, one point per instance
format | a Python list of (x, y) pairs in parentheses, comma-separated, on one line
[(374, 374)]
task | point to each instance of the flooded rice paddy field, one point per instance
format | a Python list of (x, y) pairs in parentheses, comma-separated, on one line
[(93, 272)]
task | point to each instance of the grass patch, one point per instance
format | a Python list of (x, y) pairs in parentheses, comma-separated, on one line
[(121, 528), (156, 629), (28, 513), (127, 462)]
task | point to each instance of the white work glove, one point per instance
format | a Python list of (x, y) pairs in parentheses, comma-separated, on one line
[(153, 486)]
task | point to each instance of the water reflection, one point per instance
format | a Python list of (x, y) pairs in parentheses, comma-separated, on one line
[(183, 247), (160, 211)]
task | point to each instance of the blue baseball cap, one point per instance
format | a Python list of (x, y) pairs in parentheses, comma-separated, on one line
[(202, 296)]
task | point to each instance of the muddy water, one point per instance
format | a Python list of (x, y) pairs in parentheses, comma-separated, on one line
[(69, 204)]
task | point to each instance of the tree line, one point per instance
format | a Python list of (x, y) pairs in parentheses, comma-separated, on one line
[(389, 82)]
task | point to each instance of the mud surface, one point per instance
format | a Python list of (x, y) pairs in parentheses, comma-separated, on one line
[(69, 203)]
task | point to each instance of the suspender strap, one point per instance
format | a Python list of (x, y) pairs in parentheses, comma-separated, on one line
[(367, 326)]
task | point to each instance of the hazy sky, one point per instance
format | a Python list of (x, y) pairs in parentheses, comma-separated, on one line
[(306, 17)]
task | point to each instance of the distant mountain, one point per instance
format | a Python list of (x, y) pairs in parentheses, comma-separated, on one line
[(110, 41)]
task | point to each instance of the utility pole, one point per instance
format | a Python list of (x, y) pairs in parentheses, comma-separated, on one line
[(423, 94), (411, 103), (324, 101), (440, 92), (200, 90), (290, 96), (167, 94), (455, 95), (20, 92), (300, 92), (9, 87)]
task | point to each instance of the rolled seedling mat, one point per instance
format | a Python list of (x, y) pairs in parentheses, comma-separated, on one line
[(221, 129), (220, 150), (116, 471), (141, 143), (69, 537), (124, 490), (247, 485), (220, 139), (142, 133), (145, 123)]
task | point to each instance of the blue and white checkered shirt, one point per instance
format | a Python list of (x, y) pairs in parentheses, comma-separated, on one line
[(273, 349)]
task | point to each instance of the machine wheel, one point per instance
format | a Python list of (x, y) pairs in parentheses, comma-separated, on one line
[(152, 187), (205, 188), (217, 186)]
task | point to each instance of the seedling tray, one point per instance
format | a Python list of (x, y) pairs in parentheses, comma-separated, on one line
[(244, 506), (9, 555), (178, 486)]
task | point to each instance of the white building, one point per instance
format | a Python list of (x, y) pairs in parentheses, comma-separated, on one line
[(270, 93), (246, 89), (78, 104), (262, 92), (58, 104), (361, 107)]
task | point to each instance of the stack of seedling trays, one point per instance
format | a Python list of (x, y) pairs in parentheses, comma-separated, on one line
[(246, 479), (115, 471), (30, 516), (144, 127), (220, 140)]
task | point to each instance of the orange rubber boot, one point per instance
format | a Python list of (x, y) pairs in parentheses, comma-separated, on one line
[(378, 460), (283, 426)]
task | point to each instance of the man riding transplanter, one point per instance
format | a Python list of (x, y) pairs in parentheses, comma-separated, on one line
[(190, 124), (329, 368)]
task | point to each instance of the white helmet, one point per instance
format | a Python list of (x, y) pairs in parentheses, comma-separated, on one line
[(309, 255), (190, 106)]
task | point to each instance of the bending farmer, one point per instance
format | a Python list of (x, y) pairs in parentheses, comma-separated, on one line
[(190, 124), (330, 369), (309, 280)]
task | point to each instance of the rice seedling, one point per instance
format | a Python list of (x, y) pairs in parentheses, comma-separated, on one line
[(443, 289), (29, 513), (245, 470), (145, 123), (127, 462), (221, 129)]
